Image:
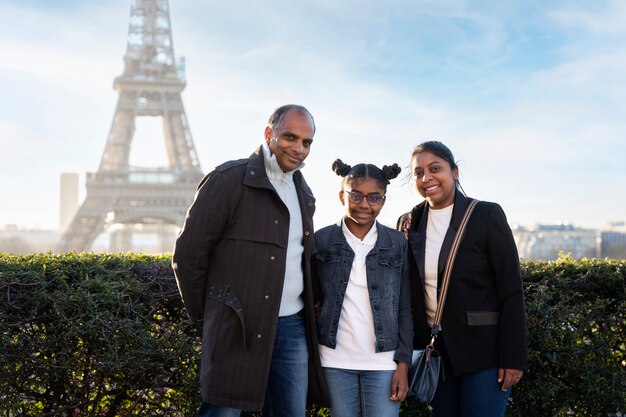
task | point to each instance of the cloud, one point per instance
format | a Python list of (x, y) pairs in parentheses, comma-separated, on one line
[(602, 17), (529, 106)]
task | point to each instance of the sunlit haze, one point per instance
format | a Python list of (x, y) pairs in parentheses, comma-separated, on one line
[(529, 95)]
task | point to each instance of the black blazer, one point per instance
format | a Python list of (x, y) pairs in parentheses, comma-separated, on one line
[(484, 320)]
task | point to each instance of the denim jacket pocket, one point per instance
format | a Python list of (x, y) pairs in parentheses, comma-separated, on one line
[(391, 271), (327, 257), (394, 261)]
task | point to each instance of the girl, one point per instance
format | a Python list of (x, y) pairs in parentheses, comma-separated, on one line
[(483, 327), (365, 327)]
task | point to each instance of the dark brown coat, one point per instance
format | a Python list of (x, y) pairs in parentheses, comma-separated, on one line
[(229, 262)]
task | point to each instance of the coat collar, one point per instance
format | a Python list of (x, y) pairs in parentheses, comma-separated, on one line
[(255, 171), (256, 176)]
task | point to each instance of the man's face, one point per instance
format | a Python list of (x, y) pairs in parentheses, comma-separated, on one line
[(291, 140)]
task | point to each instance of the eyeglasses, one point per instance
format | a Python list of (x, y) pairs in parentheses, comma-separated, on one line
[(372, 199)]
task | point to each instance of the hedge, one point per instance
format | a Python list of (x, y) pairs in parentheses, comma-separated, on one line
[(107, 335)]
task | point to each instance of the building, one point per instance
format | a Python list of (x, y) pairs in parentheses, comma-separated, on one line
[(545, 242), (18, 241), (69, 199), (613, 241)]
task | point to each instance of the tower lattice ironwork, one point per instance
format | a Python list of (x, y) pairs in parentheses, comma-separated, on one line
[(151, 85)]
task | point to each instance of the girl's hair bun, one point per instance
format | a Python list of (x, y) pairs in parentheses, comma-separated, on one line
[(391, 172), (340, 168)]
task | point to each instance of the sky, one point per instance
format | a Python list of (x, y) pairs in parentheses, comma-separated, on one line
[(530, 95)]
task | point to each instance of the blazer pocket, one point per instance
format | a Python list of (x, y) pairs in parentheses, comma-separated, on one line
[(483, 318)]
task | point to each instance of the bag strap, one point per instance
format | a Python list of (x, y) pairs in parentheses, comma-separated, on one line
[(448, 270)]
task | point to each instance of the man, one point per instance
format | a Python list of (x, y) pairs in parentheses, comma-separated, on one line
[(243, 266)]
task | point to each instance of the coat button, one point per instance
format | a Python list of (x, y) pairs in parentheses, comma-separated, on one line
[(306, 233), (310, 203), (258, 336), (251, 172), (267, 297), (272, 258), (275, 221)]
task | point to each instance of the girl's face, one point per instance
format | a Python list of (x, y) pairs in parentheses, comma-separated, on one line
[(434, 179), (363, 199)]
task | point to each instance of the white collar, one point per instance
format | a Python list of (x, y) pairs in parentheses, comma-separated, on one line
[(369, 239), (274, 171)]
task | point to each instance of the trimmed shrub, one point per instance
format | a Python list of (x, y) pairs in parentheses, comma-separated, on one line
[(94, 335), (577, 336), (107, 335)]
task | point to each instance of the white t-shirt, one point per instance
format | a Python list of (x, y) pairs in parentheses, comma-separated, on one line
[(355, 332), (436, 228)]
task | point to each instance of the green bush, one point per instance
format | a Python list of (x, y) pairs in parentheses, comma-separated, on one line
[(107, 335), (577, 335), (94, 335)]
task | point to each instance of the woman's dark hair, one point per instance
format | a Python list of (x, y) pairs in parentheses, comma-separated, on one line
[(362, 171), (442, 151), (437, 148)]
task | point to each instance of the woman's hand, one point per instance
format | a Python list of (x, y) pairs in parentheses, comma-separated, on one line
[(400, 382), (509, 377)]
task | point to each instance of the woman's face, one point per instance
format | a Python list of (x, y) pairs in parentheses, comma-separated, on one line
[(362, 214), (435, 179)]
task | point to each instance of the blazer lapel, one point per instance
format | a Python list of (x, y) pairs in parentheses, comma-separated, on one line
[(460, 204), (417, 238)]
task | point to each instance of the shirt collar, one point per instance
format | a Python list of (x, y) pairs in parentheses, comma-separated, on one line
[(369, 239), (274, 171)]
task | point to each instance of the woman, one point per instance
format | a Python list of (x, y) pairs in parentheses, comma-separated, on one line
[(483, 327), (365, 327)]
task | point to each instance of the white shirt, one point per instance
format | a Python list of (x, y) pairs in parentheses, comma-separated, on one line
[(436, 228), (355, 331)]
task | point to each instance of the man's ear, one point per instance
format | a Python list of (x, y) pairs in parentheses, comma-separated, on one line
[(268, 135)]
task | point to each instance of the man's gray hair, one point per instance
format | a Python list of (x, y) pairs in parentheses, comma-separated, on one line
[(277, 117)]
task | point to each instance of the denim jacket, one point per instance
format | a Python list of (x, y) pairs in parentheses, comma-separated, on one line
[(387, 281)]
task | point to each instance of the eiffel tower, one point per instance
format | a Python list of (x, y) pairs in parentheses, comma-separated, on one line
[(151, 85)]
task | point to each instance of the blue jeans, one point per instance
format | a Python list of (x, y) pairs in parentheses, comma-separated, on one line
[(287, 386), (355, 393), (478, 394)]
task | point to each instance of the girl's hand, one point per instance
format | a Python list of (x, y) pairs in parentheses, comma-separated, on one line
[(317, 308), (400, 382)]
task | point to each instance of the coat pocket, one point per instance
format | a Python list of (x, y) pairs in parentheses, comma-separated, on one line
[(483, 318), (229, 299)]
